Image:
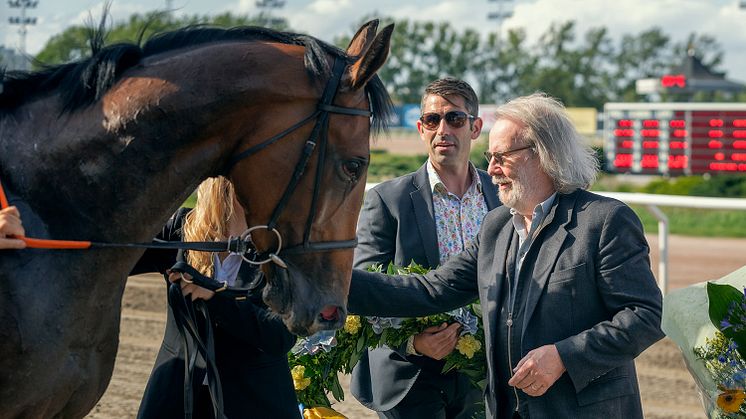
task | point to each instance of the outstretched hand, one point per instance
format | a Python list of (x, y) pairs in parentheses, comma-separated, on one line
[(188, 288), (437, 341), (11, 227)]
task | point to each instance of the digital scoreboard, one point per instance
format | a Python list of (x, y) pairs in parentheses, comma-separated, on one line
[(675, 138)]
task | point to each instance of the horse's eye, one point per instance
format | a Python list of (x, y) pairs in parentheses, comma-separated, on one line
[(353, 168)]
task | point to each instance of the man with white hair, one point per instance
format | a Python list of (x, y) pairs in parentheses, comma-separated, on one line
[(567, 294)]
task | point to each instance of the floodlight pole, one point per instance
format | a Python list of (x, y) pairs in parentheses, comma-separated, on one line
[(23, 21), (269, 5), (502, 13)]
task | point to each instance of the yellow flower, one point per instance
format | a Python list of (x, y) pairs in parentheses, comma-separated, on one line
[(730, 400), (352, 324), (467, 345), (300, 382), (322, 412)]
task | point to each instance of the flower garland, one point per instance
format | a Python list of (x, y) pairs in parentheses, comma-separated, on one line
[(724, 355), (316, 360)]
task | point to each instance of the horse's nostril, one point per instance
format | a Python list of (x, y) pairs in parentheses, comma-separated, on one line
[(330, 313)]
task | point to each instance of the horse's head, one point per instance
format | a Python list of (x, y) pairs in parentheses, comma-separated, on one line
[(301, 173)]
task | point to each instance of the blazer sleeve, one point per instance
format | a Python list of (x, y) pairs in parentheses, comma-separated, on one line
[(376, 233), (452, 285), (629, 293)]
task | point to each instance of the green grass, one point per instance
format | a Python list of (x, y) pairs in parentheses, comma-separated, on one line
[(696, 222)]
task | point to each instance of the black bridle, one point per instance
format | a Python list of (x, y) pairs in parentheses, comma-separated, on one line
[(317, 139)]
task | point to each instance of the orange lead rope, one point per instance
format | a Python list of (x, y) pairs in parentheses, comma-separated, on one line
[(44, 243)]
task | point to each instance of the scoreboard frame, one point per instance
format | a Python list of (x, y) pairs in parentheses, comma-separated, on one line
[(675, 138)]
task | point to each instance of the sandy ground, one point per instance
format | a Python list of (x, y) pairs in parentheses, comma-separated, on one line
[(668, 391)]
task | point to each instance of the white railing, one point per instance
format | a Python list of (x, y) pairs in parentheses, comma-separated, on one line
[(652, 202)]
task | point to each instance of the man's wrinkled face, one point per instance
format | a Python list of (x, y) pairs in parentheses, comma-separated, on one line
[(519, 177)]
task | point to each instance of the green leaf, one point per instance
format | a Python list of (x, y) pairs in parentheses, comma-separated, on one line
[(360, 344), (336, 389), (721, 297)]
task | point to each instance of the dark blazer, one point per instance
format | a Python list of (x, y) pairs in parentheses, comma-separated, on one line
[(397, 224), (590, 292), (251, 346)]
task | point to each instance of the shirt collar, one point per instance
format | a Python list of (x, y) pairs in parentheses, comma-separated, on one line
[(540, 212), (434, 178)]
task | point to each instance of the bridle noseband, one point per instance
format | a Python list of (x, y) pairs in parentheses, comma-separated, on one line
[(318, 137)]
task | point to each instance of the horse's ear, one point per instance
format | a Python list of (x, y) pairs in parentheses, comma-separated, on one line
[(370, 60), (362, 39)]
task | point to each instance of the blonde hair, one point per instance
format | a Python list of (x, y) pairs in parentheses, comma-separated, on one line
[(208, 221)]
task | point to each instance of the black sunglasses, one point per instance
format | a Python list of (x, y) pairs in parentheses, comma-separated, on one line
[(499, 157), (456, 119)]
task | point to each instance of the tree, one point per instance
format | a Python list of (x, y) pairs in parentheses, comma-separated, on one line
[(74, 42), (422, 52)]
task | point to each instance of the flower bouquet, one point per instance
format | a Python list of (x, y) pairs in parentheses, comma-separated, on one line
[(708, 323), (316, 360)]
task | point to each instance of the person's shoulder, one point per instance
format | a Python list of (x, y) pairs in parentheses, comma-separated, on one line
[(597, 199), (395, 184), (498, 215), (597, 206)]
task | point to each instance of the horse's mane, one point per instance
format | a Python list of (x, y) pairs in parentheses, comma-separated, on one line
[(85, 81)]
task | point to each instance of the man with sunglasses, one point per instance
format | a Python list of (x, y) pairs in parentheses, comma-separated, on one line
[(563, 275), (425, 217)]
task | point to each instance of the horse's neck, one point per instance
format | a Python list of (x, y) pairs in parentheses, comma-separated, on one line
[(86, 182)]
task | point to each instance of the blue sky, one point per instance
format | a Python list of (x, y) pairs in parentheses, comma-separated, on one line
[(327, 18)]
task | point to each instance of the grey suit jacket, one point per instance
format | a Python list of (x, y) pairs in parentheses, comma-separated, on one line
[(397, 224), (591, 293)]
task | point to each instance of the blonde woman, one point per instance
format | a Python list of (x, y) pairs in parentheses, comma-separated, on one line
[(251, 344)]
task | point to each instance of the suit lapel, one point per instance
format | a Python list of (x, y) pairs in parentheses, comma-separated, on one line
[(422, 202), (547, 251), (498, 276)]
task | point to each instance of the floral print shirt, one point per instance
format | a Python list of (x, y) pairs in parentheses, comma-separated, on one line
[(457, 220)]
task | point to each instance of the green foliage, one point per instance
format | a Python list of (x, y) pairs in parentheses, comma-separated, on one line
[(696, 222), (727, 313), (587, 69), (384, 165), (316, 360), (74, 42), (724, 185)]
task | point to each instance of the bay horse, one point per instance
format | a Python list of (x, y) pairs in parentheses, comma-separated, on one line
[(107, 148)]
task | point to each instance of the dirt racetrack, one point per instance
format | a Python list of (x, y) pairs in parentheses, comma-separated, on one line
[(667, 389)]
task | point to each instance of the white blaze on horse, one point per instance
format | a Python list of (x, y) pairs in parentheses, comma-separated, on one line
[(107, 148)]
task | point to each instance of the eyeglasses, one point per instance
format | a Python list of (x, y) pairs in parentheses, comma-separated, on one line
[(499, 157), (456, 119)]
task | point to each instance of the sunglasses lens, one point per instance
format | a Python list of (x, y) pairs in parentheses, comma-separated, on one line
[(456, 119), (430, 120)]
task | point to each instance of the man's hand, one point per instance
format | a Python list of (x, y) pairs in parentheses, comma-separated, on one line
[(10, 225), (538, 370), (437, 341), (188, 288)]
